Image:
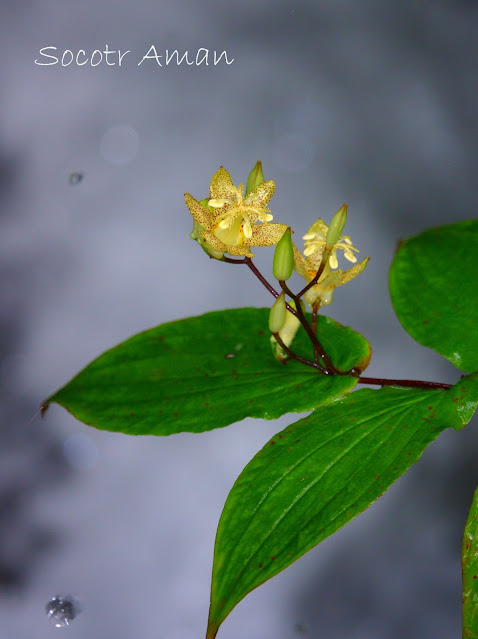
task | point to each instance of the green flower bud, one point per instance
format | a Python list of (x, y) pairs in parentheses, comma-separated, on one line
[(277, 314), (287, 333), (283, 263), (336, 227), (256, 177)]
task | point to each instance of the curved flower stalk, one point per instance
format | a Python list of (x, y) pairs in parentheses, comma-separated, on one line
[(229, 222)]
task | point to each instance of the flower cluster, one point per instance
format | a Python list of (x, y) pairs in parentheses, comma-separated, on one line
[(231, 221)]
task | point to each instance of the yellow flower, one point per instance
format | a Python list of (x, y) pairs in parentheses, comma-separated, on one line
[(227, 221), (316, 243), (323, 291)]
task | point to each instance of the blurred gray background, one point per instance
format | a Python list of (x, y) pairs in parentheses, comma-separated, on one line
[(372, 103)]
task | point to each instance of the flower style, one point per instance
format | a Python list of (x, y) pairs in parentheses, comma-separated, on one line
[(227, 221), (315, 246)]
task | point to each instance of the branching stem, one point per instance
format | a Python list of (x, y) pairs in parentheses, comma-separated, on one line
[(325, 366)]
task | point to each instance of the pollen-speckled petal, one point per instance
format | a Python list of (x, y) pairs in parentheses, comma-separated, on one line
[(267, 234), (261, 196), (199, 213), (209, 238), (300, 263), (354, 271), (240, 249), (221, 186)]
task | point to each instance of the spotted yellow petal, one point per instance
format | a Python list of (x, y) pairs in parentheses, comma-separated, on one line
[(267, 234), (201, 215), (221, 186), (350, 273), (240, 250), (263, 193), (300, 263), (207, 237)]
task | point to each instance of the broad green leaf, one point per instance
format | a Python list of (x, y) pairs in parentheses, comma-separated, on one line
[(313, 477), (470, 572), (207, 372), (433, 284)]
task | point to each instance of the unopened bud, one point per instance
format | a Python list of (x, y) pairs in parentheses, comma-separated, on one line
[(287, 333), (277, 314), (336, 227), (283, 263), (256, 177)]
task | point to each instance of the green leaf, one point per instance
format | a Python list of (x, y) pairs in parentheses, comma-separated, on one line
[(470, 572), (207, 372), (313, 477), (433, 287)]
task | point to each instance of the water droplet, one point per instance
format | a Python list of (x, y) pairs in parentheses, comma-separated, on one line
[(238, 347), (62, 609), (75, 177), (229, 355)]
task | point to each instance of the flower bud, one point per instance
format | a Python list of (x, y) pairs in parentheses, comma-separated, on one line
[(283, 263), (336, 227), (277, 314), (287, 333), (255, 178)]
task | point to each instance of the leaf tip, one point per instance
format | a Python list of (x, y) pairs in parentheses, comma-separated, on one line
[(44, 406)]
